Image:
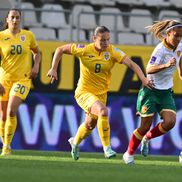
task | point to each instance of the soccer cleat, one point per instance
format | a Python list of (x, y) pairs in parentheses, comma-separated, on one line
[(128, 159), (6, 151), (74, 149), (109, 153), (180, 157), (144, 146)]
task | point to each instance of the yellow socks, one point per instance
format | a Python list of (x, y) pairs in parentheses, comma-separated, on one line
[(2, 127), (81, 134), (10, 128), (104, 130)]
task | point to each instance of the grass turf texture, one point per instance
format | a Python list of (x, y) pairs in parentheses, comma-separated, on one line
[(40, 166)]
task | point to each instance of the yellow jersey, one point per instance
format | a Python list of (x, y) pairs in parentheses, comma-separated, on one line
[(15, 52), (95, 67)]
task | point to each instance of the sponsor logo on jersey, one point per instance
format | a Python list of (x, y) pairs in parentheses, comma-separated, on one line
[(91, 56), (80, 45), (7, 38), (168, 57), (106, 56), (153, 59), (22, 38)]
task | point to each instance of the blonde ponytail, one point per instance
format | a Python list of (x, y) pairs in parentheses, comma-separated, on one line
[(158, 29)]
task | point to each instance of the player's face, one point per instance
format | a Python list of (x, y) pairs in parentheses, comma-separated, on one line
[(175, 36), (102, 41), (13, 19)]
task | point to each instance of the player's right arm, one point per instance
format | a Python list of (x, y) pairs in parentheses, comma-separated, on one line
[(65, 49), (2, 90)]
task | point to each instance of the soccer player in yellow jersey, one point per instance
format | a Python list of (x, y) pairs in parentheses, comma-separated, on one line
[(96, 61), (16, 46)]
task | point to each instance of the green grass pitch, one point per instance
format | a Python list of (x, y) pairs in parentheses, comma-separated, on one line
[(42, 166)]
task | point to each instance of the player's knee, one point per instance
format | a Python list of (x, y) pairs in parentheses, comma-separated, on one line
[(171, 124), (91, 125), (143, 129), (103, 111), (11, 112)]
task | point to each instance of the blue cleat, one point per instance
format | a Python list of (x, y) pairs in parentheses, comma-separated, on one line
[(144, 147), (74, 149)]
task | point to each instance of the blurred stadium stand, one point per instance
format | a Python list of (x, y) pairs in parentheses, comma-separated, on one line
[(74, 20)]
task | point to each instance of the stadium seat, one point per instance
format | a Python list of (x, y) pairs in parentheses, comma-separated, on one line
[(3, 13), (176, 3), (77, 35), (107, 18), (151, 40), (169, 14), (103, 2), (130, 38), (139, 19), (155, 3), (130, 2), (53, 16), (43, 33), (29, 15), (84, 21)]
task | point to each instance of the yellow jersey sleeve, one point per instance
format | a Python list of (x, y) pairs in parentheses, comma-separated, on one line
[(117, 54), (33, 43), (77, 49)]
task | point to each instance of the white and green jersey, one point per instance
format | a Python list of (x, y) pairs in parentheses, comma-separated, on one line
[(163, 79)]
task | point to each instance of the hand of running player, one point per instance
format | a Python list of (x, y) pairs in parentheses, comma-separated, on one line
[(53, 75), (148, 83), (171, 62)]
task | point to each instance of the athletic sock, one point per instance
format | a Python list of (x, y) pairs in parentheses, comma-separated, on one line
[(10, 128), (104, 130), (81, 134), (134, 142), (158, 130), (2, 128)]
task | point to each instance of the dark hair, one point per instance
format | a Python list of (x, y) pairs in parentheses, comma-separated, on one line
[(101, 29), (13, 9)]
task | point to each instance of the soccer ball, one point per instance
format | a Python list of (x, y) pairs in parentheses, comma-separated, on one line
[(180, 157)]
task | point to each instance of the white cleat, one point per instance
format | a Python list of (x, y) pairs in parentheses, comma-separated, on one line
[(128, 159), (180, 157), (74, 149), (109, 153)]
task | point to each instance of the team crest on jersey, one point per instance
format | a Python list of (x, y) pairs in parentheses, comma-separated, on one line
[(106, 56), (22, 38), (178, 53), (144, 109)]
